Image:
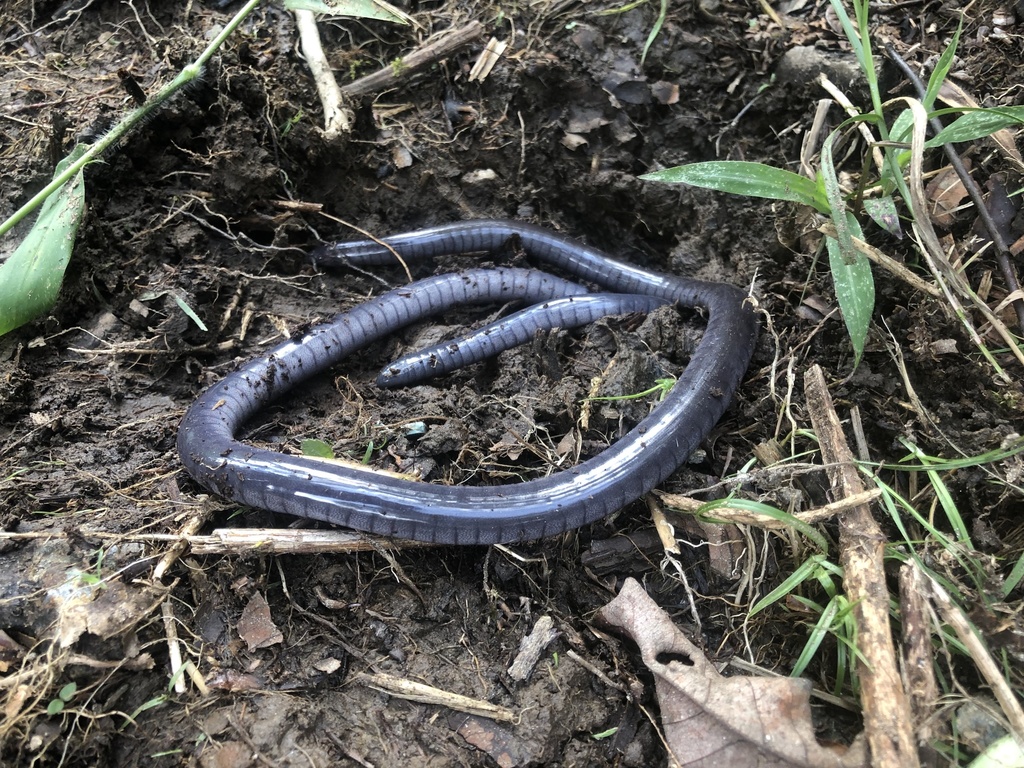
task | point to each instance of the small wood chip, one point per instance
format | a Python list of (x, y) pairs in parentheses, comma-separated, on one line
[(532, 647)]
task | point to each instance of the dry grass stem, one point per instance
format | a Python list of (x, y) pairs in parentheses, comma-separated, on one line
[(428, 694), (337, 116), (986, 665)]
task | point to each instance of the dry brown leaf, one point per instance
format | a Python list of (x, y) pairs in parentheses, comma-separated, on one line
[(945, 193), (710, 720), (256, 627)]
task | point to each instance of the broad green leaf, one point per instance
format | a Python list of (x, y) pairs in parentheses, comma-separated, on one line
[(977, 124), (942, 68), (855, 290), (31, 278), (882, 211), (317, 448), (743, 178), (363, 9)]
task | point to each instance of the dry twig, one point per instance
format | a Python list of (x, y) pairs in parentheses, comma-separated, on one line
[(887, 722), (407, 66)]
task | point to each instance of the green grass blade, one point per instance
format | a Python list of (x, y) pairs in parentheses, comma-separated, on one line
[(849, 30), (183, 305), (890, 500), (31, 278), (795, 579), (706, 511), (742, 178), (942, 67), (947, 465), (818, 633), (977, 124), (1014, 578), (655, 30), (943, 495)]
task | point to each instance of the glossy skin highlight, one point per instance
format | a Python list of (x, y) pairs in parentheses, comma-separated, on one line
[(390, 506), (518, 328)]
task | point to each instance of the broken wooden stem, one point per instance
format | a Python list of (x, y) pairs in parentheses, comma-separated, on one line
[(407, 66), (887, 722)]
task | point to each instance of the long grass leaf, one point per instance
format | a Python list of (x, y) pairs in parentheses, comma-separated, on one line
[(818, 633), (1014, 578), (943, 495), (942, 67), (707, 511), (655, 30), (977, 124), (794, 580), (848, 29), (946, 465), (743, 178)]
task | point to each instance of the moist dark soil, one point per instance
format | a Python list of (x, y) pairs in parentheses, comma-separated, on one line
[(215, 205)]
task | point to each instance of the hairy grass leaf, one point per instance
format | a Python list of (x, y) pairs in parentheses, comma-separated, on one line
[(743, 178), (31, 278), (836, 203)]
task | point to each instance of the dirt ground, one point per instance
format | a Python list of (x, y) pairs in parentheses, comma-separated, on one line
[(216, 203)]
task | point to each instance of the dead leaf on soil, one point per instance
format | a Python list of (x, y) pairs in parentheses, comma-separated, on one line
[(256, 627), (710, 720), (103, 609), (945, 193)]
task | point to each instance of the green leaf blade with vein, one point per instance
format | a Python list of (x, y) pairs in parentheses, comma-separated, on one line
[(855, 289), (31, 278), (942, 67), (742, 178), (977, 124)]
